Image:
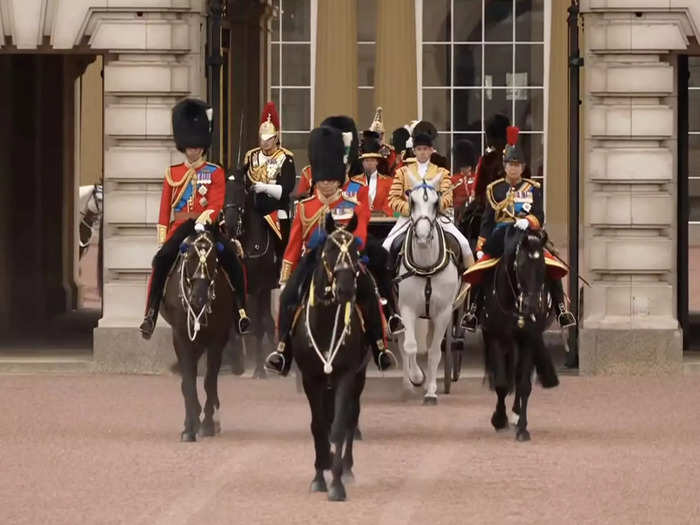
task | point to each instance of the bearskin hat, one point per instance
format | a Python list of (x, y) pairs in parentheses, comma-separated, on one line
[(326, 152), (192, 124), (345, 125), (463, 154), (424, 127), (398, 139)]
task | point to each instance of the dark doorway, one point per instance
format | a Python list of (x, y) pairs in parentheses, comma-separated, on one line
[(38, 292)]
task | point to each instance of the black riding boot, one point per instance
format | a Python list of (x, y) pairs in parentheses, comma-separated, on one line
[(556, 290), (471, 318), (234, 269)]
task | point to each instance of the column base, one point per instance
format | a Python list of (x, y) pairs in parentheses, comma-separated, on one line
[(630, 351), (122, 350)]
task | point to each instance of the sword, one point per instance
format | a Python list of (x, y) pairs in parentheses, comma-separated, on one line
[(554, 252)]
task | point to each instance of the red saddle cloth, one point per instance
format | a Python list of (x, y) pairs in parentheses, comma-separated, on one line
[(475, 274)]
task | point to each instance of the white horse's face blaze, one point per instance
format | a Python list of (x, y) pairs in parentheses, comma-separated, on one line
[(424, 206)]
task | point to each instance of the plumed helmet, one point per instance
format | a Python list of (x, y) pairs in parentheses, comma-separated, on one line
[(463, 154), (513, 152), (192, 124), (269, 122), (377, 124), (326, 152), (346, 126)]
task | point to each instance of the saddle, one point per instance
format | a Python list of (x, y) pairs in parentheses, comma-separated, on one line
[(402, 247)]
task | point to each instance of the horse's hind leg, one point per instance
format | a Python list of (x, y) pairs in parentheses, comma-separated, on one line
[(210, 424), (315, 390), (262, 318), (187, 356), (348, 459)]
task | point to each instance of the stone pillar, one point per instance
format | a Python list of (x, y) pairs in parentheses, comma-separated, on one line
[(336, 60), (396, 84), (629, 225)]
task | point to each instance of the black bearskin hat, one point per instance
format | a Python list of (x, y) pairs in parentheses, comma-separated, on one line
[(398, 139), (326, 152), (422, 139), (345, 124), (370, 145), (496, 131), (192, 124), (439, 160), (424, 128), (463, 154)]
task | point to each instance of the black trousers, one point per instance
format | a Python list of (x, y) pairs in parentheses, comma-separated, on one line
[(165, 258), (298, 284)]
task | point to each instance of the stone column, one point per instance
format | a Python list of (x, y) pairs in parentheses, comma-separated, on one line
[(335, 84), (629, 227), (396, 84)]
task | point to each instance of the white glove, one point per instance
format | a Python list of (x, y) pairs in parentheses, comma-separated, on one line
[(273, 190), (479, 255), (522, 224), (199, 227)]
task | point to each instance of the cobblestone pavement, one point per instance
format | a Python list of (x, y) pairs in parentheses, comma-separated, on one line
[(104, 449)]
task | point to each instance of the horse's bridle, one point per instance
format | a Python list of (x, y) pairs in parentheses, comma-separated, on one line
[(84, 215), (201, 271), (432, 222), (343, 262)]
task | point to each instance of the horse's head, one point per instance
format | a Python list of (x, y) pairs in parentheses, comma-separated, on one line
[(424, 202), (340, 261), (529, 269), (234, 210), (198, 272)]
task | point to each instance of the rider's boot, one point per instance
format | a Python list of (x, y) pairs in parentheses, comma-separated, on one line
[(280, 361), (564, 317), (155, 292), (383, 357), (471, 318), (149, 323)]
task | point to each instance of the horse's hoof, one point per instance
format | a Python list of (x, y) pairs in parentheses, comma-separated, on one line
[(319, 484), (188, 437), (420, 382), (358, 434), (430, 400), (210, 428), (337, 492), (499, 420), (260, 373), (348, 478), (522, 435)]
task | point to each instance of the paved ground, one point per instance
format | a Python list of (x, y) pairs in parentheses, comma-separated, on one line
[(104, 449)]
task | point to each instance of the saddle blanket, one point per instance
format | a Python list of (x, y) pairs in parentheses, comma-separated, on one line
[(476, 272)]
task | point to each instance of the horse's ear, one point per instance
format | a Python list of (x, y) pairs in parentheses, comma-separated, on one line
[(352, 225), (330, 223)]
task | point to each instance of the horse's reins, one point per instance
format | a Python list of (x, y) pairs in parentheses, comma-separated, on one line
[(343, 261), (194, 320)]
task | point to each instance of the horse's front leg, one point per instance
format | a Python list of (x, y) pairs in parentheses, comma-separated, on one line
[(187, 356), (438, 327), (210, 424), (315, 390), (262, 321), (413, 374), (342, 429), (523, 388)]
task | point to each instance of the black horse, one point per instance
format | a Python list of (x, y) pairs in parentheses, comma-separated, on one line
[(329, 347), (261, 259), (517, 311), (198, 303)]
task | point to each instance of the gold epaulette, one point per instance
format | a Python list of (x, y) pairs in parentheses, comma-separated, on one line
[(287, 152), (246, 159), (533, 182)]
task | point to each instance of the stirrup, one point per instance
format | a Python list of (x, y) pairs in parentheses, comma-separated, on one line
[(469, 322), (401, 329), (243, 322), (386, 352), (269, 367), (566, 319)]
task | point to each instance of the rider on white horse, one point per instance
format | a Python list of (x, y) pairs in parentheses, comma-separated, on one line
[(407, 177)]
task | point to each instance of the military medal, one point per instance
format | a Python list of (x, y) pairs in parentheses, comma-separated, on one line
[(202, 190), (203, 202)]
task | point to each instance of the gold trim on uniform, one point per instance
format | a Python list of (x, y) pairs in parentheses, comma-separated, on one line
[(274, 227), (286, 271), (162, 233), (360, 179), (480, 243), (482, 265), (258, 172)]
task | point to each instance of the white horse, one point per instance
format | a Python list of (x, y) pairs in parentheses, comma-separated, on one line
[(90, 207), (428, 285)]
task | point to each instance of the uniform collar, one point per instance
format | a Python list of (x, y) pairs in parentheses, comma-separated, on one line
[(329, 200)]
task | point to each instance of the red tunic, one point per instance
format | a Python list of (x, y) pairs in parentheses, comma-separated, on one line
[(462, 189), (187, 193), (380, 204), (310, 214), (303, 188)]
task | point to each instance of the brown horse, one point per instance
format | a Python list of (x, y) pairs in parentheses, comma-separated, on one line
[(198, 303)]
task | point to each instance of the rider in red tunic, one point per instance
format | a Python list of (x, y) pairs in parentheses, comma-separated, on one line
[(463, 180), (327, 151), (193, 195)]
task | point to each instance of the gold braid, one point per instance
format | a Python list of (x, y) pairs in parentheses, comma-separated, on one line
[(189, 174)]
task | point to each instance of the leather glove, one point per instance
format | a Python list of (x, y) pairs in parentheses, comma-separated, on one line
[(522, 224), (479, 255), (205, 217), (273, 190)]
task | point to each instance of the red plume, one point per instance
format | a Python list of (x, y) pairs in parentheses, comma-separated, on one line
[(271, 110), (512, 135)]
